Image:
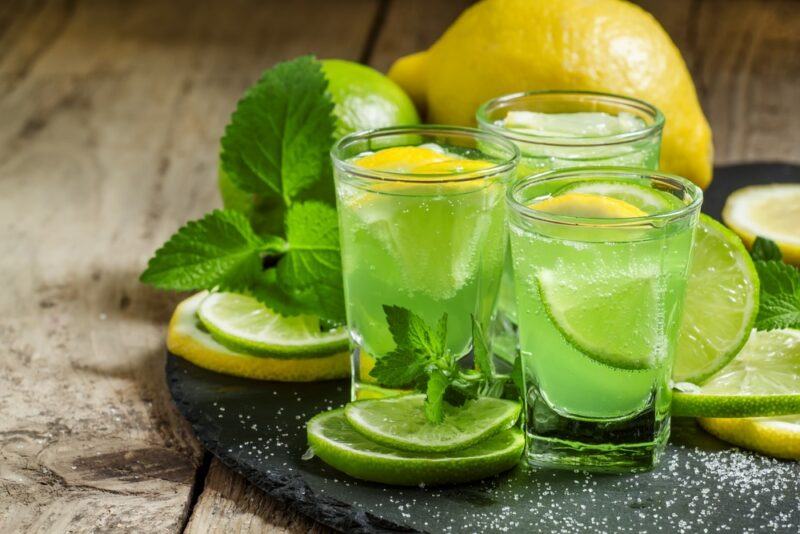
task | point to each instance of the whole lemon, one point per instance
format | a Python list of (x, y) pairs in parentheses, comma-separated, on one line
[(503, 46)]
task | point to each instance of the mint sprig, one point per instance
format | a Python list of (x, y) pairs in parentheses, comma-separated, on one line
[(279, 137), (285, 251), (421, 360), (779, 297)]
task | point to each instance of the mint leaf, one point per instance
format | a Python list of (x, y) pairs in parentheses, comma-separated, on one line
[(307, 279), (483, 354), (416, 346), (779, 302), (278, 140), (219, 250), (410, 330), (765, 250), (435, 390)]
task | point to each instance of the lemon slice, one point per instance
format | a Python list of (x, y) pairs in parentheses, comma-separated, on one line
[(454, 166), (778, 437), (187, 340), (771, 211), (588, 205), (401, 159)]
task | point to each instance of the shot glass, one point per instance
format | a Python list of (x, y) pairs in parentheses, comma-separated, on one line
[(431, 242), (599, 306), (554, 145)]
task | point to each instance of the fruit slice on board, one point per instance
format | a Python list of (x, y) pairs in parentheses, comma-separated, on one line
[(400, 422), (338, 444)]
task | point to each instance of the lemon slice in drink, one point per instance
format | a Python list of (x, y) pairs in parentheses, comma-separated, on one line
[(721, 303), (400, 422), (777, 436), (762, 380), (402, 159), (339, 445), (645, 198), (186, 339), (771, 211), (588, 205), (243, 324)]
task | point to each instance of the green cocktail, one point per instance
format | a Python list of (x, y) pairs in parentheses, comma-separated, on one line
[(422, 222), (600, 257), (561, 129)]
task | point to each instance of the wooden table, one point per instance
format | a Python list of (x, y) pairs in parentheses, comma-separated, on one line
[(110, 116)]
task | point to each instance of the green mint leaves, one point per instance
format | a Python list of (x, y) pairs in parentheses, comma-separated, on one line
[(285, 250), (278, 141), (779, 299), (220, 249), (421, 360), (765, 250)]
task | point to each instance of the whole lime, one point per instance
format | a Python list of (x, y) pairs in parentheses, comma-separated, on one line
[(363, 97)]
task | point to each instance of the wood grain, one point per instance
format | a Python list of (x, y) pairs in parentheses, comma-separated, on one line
[(111, 116), (230, 504)]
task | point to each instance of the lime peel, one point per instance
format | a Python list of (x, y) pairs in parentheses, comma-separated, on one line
[(400, 422), (338, 444)]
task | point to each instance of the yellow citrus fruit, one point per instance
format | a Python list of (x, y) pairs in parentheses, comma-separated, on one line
[(401, 159), (771, 211), (588, 205), (777, 436), (186, 340), (498, 47)]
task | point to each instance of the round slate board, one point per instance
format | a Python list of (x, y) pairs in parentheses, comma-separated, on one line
[(702, 485)]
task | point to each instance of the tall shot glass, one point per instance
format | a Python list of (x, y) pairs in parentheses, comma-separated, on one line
[(432, 243), (600, 303), (544, 149)]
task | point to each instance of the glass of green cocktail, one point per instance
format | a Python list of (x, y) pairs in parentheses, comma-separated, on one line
[(560, 129), (423, 227), (600, 257)]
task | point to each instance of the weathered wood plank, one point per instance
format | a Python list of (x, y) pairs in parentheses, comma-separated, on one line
[(111, 115), (745, 59), (229, 504), (744, 56)]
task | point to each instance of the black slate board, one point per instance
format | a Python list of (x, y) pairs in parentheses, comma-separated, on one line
[(257, 429)]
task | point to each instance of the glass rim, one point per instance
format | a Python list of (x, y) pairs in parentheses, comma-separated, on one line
[(604, 222), (342, 164), (482, 117)]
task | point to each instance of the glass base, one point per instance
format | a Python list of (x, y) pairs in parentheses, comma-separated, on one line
[(556, 453)]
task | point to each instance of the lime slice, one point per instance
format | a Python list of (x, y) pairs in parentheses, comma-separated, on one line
[(579, 307), (643, 197), (721, 303), (242, 323), (400, 422), (338, 444), (778, 436), (186, 339), (763, 380)]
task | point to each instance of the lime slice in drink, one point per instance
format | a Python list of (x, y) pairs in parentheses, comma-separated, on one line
[(643, 197), (763, 380), (242, 323), (721, 303), (400, 422), (338, 444), (579, 306)]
